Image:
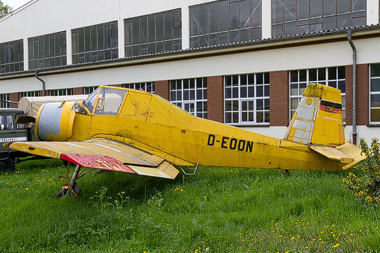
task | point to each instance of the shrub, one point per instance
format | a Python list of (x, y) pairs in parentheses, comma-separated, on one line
[(369, 191)]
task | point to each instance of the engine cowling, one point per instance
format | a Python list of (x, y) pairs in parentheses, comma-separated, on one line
[(54, 121)]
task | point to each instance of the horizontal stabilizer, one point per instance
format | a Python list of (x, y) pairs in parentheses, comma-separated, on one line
[(348, 153)]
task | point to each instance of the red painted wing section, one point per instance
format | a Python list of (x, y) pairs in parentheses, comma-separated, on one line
[(97, 162)]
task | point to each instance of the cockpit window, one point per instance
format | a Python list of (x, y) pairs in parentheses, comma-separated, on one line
[(89, 102), (106, 101)]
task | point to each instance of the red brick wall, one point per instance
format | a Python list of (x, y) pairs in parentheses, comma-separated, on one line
[(279, 98), (215, 98), (362, 91), (78, 91), (118, 85), (14, 98), (162, 89)]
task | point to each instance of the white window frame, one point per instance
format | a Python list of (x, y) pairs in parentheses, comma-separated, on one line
[(30, 94), (148, 86), (303, 83), (370, 96), (238, 97), (5, 97), (89, 90), (61, 92), (190, 95)]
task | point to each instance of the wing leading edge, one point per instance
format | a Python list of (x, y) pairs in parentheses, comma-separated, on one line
[(102, 153)]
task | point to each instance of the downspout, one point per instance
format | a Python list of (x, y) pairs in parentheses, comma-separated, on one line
[(43, 83), (354, 133)]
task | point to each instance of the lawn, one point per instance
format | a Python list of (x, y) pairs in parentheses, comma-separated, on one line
[(217, 210)]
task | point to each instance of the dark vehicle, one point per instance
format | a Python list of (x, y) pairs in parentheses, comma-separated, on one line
[(10, 132)]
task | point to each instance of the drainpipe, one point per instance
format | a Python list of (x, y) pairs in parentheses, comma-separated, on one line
[(43, 83), (354, 133)]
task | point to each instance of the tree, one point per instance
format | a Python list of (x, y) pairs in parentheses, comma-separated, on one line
[(4, 9)]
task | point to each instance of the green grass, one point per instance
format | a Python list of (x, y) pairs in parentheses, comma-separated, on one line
[(217, 210)]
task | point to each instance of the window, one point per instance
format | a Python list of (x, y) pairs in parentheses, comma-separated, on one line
[(153, 33), (62, 92), (89, 90), (246, 99), (148, 87), (30, 94), (106, 101), (334, 77), (12, 56), (6, 122), (190, 95), (374, 92), (95, 43), (3, 99), (47, 50), (223, 22), (20, 126), (305, 16)]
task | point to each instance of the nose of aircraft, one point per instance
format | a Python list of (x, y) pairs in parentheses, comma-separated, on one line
[(55, 121)]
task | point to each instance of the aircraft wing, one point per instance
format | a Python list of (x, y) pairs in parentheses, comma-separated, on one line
[(348, 153), (104, 154)]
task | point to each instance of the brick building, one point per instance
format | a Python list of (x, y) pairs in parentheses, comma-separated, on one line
[(240, 62)]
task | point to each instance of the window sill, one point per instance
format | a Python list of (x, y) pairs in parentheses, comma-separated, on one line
[(373, 125), (246, 125)]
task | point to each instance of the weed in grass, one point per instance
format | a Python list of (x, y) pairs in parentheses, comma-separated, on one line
[(368, 189)]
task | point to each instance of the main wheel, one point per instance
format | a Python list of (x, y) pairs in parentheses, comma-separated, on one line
[(61, 193)]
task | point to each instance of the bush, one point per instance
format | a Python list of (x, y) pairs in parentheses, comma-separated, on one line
[(369, 191)]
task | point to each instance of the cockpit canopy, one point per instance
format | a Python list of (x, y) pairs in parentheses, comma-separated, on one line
[(105, 101)]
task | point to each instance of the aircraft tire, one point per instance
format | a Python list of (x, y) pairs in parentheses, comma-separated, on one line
[(61, 193)]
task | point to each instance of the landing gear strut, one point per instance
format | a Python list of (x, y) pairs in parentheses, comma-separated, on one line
[(72, 185)]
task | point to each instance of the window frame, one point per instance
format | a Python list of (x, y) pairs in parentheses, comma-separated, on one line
[(143, 42), (196, 105), (318, 80), (103, 47), (216, 30), (49, 44), (5, 97), (61, 92), (241, 97), (370, 107), (147, 86)]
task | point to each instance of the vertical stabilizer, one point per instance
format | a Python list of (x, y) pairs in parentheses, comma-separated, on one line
[(318, 118)]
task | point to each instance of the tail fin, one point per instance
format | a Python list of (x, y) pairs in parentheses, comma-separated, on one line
[(318, 118)]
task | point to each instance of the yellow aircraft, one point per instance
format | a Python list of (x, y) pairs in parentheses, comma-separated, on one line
[(137, 132)]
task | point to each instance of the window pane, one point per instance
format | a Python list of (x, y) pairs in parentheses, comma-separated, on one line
[(277, 11), (223, 16), (214, 13), (375, 84), (234, 16), (316, 8), (203, 19), (290, 10)]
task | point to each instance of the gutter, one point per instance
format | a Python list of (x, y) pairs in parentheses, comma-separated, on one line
[(43, 82), (354, 133)]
